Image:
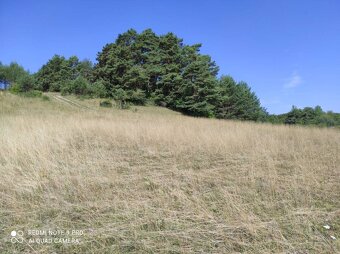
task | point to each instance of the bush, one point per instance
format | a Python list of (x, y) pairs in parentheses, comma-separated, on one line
[(55, 86), (137, 97), (25, 87), (120, 96), (15, 88), (24, 84), (98, 89), (106, 104), (32, 93), (66, 87), (45, 98), (79, 86)]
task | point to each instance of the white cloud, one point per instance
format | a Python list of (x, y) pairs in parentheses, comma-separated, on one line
[(293, 81)]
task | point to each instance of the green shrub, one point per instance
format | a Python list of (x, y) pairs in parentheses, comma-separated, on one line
[(45, 98), (56, 86), (106, 104), (66, 88), (23, 85), (136, 97), (31, 93), (26, 83), (14, 88), (98, 89), (79, 86), (120, 96)]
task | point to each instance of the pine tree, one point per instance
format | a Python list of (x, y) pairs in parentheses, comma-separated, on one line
[(148, 56), (169, 68), (51, 75), (198, 91), (237, 101), (174, 75)]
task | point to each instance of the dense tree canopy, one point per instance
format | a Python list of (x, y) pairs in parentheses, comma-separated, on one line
[(58, 72), (172, 74), (146, 67), (12, 73), (237, 101), (307, 116)]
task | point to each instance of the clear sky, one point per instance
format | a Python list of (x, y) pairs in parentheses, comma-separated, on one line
[(288, 51)]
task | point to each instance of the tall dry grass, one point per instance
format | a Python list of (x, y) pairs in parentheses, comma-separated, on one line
[(154, 181)]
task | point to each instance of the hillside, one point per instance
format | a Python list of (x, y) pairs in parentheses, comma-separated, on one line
[(143, 68), (150, 180)]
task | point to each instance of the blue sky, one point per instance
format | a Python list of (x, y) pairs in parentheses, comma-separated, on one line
[(287, 51)]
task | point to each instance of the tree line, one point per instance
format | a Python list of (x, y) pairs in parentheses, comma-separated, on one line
[(145, 67), (307, 116)]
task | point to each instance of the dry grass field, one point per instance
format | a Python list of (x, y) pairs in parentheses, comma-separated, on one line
[(149, 180)]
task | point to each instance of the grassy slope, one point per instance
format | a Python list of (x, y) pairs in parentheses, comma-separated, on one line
[(153, 180)]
